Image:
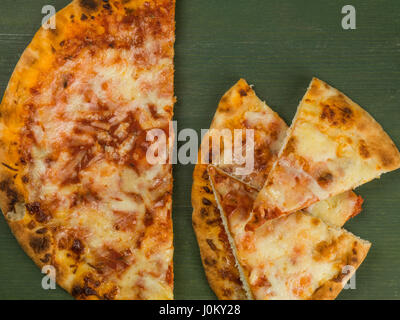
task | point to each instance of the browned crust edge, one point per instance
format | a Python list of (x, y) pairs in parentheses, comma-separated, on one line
[(216, 253)]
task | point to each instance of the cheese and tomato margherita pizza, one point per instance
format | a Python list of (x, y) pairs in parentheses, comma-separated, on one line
[(241, 109), (296, 256), (76, 187), (332, 146)]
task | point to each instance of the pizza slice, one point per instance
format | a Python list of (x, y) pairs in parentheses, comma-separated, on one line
[(295, 256), (241, 109), (76, 186), (241, 112), (332, 146)]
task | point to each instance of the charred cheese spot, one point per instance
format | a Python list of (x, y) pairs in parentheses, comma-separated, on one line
[(12, 195), (46, 258), (207, 189), (31, 225), (324, 250), (210, 262), (34, 209), (77, 246), (78, 291), (229, 275), (204, 212), (337, 112), (39, 244), (107, 6), (211, 244), (387, 159), (41, 231), (325, 179), (111, 294), (363, 150), (243, 93), (213, 222), (149, 218), (89, 4)]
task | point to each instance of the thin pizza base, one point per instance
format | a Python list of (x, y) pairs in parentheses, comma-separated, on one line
[(101, 26), (296, 256), (240, 108)]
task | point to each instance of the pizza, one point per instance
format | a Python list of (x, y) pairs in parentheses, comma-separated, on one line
[(332, 146), (240, 108), (295, 256), (76, 187)]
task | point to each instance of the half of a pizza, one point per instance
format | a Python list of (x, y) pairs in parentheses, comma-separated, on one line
[(241, 109), (76, 186), (296, 256), (332, 146)]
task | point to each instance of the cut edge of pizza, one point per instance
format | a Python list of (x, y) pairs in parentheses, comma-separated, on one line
[(296, 256), (215, 249), (242, 272), (79, 79), (333, 145)]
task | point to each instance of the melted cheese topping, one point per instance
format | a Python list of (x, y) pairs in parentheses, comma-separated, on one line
[(286, 258), (85, 149), (328, 151)]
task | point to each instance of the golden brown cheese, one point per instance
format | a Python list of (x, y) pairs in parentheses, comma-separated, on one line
[(77, 189), (296, 256), (333, 145)]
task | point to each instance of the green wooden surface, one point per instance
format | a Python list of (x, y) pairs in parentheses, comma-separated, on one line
[(278, 46)]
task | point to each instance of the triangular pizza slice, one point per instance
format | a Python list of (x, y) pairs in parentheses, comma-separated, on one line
[(258, 131), (332, 146), (295, 256)]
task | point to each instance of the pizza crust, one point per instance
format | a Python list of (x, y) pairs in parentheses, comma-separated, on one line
[(216, 253)]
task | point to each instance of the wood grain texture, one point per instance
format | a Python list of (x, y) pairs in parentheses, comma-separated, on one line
[(277, 46)]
